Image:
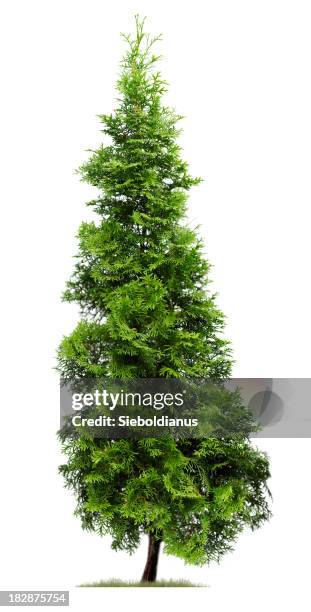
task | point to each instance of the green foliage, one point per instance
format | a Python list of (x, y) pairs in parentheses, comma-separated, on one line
[(140, 278), (194, 495), (146, 311)]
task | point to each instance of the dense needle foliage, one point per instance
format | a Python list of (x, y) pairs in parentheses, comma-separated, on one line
[(141, 281)]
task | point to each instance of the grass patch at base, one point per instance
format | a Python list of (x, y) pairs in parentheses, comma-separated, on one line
[(114, 582)]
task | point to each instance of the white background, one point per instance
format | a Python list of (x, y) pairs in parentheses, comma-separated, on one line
[(240, 72)]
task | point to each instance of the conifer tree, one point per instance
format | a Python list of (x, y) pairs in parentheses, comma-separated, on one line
[(141, 281)]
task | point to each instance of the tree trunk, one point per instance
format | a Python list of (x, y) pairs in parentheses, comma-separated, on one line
[(150, 571)]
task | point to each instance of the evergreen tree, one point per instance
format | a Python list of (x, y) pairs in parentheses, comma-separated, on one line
[(146, 312)]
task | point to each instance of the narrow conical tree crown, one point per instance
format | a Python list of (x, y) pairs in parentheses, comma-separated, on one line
[(141, 281)]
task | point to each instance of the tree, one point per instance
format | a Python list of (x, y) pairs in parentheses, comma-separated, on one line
[(141, 281)]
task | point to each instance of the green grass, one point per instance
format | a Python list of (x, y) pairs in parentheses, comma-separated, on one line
[(114, 582)]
